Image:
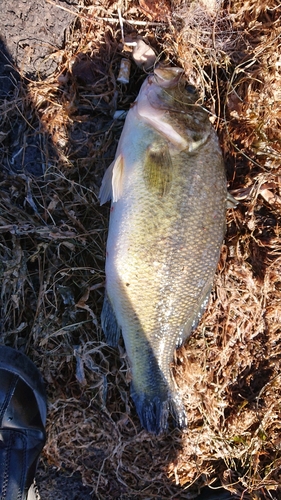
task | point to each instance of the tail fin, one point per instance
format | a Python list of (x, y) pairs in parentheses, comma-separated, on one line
[(154, 410)]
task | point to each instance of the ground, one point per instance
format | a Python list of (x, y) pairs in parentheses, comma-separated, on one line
[(31, 31), (59, 62)]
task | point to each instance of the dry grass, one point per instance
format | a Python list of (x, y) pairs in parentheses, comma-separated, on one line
[(52, 246)]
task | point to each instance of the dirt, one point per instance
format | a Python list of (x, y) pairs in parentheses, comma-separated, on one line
[(31, 31)]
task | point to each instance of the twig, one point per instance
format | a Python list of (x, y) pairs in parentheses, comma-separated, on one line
[(108, 19), (121, 24), (135, 23), (67, 10)]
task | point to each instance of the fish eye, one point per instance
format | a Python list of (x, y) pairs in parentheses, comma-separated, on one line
[(190, 88)]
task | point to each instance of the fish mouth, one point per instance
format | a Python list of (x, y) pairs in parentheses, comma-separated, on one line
[(167, 77)]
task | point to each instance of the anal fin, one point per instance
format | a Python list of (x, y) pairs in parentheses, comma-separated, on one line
[(109, 323), (231, 202)]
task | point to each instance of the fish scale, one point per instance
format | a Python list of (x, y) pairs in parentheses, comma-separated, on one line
[(167, 223)]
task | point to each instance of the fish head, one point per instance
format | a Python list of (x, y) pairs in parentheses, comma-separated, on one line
[(167, 103), (167, 77), (167, 88)]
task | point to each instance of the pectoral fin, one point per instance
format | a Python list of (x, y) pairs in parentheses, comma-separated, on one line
[(112, 183), (158, 169), (117, 178)]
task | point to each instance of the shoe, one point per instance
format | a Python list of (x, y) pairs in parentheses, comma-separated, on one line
[(22, 424)]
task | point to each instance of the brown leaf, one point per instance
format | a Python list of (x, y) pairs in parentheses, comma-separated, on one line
[(156, 10)]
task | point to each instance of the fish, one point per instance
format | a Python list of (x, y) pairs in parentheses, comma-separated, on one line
[(168, 192)]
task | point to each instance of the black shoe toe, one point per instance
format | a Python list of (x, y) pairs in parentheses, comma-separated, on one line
[(22, 423)]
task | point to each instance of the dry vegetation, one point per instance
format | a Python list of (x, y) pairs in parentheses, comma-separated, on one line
[(52, 247)]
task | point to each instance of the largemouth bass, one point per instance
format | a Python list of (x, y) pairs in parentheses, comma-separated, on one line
[(167, 222)]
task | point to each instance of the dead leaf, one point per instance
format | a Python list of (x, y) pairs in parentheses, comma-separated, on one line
[(158, 10)]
